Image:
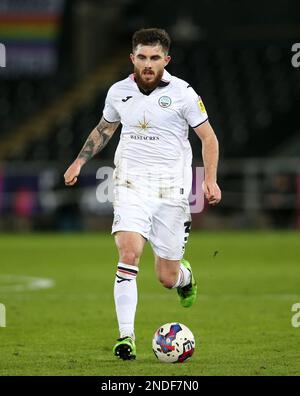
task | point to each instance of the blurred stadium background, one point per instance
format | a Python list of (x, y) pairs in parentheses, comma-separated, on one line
[(61, 57)]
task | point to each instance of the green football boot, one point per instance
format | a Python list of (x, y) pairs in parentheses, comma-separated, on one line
[(125, 348), (188, 293)]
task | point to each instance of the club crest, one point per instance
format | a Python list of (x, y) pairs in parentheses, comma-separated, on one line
[(164, 101)]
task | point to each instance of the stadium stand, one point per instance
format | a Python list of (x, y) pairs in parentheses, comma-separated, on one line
[(237, 60), (249, 91)]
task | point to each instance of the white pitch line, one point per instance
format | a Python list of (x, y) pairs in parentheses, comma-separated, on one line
[(19, 283)]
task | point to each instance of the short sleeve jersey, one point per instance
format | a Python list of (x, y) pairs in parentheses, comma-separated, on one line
[(154, 135)]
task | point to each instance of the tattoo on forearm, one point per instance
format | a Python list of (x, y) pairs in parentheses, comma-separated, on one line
[(97, 140)]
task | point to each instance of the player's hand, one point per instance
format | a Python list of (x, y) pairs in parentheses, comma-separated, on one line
[(72, 173), (212, 192)]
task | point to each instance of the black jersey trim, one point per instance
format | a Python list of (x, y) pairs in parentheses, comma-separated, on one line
[(200, 123), (110, 122)]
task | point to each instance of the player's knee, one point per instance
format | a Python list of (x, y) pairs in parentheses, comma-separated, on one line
[(129, 256)]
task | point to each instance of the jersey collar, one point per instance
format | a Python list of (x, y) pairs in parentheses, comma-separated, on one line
[(165, 80)]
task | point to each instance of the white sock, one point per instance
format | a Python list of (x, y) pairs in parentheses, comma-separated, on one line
[(125, 294), (184, 277)]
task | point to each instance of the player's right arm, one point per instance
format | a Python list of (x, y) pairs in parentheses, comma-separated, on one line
[(96, 141)]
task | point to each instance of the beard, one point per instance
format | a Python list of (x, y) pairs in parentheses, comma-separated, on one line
[(142, 80)]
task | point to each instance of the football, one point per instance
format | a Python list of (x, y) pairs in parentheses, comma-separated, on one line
[(173, 343)]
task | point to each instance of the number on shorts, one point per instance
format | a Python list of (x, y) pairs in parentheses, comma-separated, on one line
[(187, 229), (187, 226)]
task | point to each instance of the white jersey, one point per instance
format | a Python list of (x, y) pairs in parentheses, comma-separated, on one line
[(154, 137)]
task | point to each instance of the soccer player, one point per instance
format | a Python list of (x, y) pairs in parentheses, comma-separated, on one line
[(153, 174)]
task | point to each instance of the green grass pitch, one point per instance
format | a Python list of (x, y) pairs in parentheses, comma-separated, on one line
[(247, 285)]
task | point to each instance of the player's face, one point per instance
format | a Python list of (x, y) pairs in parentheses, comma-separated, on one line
[(149, 63)]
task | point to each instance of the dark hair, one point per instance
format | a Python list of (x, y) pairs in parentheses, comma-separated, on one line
[(151, 36)]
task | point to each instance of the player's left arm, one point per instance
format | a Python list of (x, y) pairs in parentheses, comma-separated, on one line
[(210, 155)]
